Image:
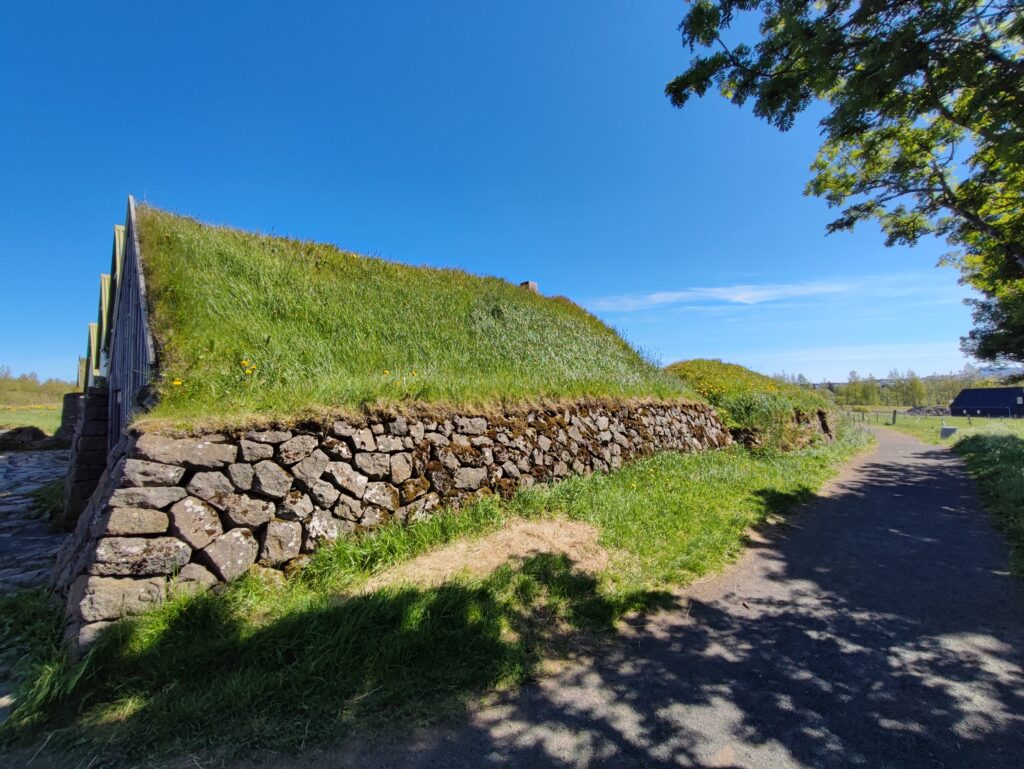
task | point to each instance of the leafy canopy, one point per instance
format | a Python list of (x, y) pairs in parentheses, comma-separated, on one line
[(925, 131)]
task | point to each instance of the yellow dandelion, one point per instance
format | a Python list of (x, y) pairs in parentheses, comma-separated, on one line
[(387, 373), (176, 383), (245, 363)]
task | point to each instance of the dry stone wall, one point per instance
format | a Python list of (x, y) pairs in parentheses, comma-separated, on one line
[(191, 513), (88, 456)]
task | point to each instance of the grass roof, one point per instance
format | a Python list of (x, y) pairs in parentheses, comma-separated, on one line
[(745, 399), (252, 328)]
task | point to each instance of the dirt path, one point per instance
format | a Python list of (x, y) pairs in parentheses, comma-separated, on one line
[(879, 629)]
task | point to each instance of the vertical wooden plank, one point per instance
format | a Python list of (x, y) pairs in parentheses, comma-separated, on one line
[(132, 353)]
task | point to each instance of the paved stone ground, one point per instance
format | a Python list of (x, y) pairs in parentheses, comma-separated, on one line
[(27, 546)]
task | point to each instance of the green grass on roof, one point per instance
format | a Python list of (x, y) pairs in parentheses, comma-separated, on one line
[(747, 400), (253, 328)]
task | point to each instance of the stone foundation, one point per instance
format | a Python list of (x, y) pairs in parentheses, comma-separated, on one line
[(71, 408), (88, 456), (190, 513)]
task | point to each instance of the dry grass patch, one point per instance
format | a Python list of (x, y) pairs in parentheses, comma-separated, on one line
[(518, 541)]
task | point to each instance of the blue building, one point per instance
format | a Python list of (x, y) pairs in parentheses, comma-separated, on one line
[(989, 402)]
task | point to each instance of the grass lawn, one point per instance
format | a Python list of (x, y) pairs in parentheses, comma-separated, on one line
[(46, 417), (996, 460), (927, 428), (256, 328), (27, 402), (263, 666)]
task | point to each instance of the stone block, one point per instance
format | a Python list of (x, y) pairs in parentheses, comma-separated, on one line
[(309, 470), (297, 448), (343, 429), (156, 497), (389, 444), (138, 556), (268, 436), (231, 554), (374, 465), (295, 506), (196, 452), (242, 510), (96, 458), (401, 468), (414, 488), (320, 528), (133, 521), (254, 451), (470, 478), (93, 427), (324, 494), (382, 494), (363, 440), (335, 448), (282, 541), (195, 522), (470, 425), (139, 472), (348, 508), (270, 479), (95, 599), (193, 578), (214, 487), (241, 475), (347, 479)]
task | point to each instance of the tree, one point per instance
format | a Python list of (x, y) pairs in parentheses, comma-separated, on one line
[(915, 393), (925, 131), (869, 391)]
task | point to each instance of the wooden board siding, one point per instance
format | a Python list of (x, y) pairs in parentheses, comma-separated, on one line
[(132, 354)]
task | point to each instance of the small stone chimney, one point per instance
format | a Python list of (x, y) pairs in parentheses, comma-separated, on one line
[(529, 285)]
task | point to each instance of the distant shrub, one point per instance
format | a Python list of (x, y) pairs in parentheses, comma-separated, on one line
[(29, 390), (777, 414)]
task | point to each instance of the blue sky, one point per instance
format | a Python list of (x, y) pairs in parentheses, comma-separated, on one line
[(527, 140)]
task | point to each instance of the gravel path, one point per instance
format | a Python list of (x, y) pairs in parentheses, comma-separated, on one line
[(27, 546), (879, 628)]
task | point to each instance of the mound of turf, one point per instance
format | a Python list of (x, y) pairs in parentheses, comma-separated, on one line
[(748, 401), (253, 328)]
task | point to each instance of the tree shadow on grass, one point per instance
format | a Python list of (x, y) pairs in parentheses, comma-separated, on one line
[(209, 679)]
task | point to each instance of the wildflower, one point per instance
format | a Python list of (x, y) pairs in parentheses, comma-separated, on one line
[(176, 383), (387, 373), (245, 364)]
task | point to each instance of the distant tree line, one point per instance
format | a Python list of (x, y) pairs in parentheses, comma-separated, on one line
[(899, 388), (29, 388)]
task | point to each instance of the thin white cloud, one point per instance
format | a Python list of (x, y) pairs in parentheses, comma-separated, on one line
[(749, 294), (833, 363)]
